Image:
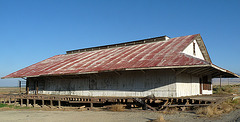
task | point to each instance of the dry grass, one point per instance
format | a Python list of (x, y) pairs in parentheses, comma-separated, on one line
[(116, 107), (11, 90), (160, 118), (227, 89), (208, 111), (218, 109), (170, 110)]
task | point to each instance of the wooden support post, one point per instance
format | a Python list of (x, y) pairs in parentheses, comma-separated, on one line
[(20, 86), (171, 101), (9, 100), (27, 102), (27, 87), (151, 100), (21, 102), (51, 102), (91, 105), (187, 103), (166, 103), (42, 102), (34, 102), (220, 81), (15, 101), (59, 103), (37, 88), (27, 90), (228, 81), (4, 101)]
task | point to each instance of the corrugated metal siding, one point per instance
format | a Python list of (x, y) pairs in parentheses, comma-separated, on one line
[(155, 54)]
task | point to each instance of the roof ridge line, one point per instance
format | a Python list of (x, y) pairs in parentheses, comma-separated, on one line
[(124, 44)]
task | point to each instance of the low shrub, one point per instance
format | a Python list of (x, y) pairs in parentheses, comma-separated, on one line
[(208, 111), (12, 106), (172, 110), (3, 105), (116, 107), (223, 90), (160, 118), (214, 110)]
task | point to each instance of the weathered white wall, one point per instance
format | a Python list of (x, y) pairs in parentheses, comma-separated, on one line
[(160, 83), (189, 50), (187, 85), (207, 92)]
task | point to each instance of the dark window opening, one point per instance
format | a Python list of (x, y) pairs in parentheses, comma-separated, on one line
[(194, 50)]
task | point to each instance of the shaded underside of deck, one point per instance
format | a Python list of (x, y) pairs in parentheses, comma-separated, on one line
[(153, 103)]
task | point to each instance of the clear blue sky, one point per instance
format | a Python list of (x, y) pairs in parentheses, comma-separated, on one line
[(33, 30)]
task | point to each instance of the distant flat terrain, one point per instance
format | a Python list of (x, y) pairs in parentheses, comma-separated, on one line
[(226, 83), (11, 90)]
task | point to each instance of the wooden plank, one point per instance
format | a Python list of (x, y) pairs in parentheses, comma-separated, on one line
[(189, 105), (180, 71), (86, 101), (151, 107)]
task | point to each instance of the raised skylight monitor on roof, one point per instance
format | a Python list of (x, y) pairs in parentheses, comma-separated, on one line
[(143, 41)]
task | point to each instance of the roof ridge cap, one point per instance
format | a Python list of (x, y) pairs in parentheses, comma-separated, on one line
[(124, 44)]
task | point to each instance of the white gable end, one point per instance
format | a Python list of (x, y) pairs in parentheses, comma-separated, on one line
[(190, 50)]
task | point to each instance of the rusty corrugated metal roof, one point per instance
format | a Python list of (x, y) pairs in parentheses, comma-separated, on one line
[(154, 54)]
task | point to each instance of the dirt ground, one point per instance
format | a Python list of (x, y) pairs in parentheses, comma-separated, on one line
[(107, 116), (41, 115)]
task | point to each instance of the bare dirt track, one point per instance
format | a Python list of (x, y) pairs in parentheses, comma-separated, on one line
[(107, 116), (99, 115)]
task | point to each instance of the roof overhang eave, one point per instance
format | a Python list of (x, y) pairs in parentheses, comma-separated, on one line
[(224, 71), (52, 75), (124, 69)]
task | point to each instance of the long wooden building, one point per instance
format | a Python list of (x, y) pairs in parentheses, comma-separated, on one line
[(160, 67)]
